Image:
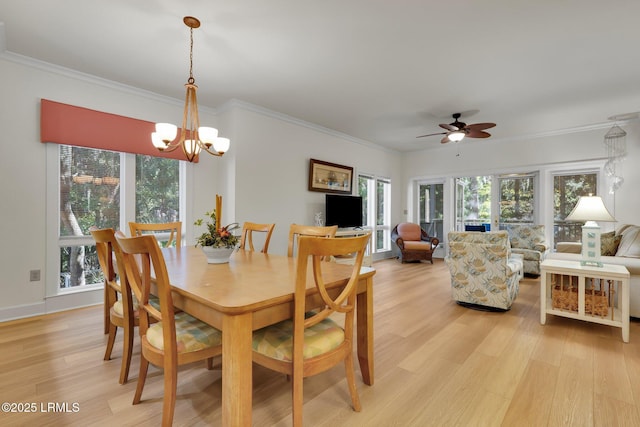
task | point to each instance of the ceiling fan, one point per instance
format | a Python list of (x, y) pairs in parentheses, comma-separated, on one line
[(457, 130)]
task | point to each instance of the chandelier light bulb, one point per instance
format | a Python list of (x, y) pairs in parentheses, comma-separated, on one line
[(207, 135), (166, 132), (221, 145), (157, 141)]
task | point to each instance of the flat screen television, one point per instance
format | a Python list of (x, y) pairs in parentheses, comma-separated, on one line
[(343, 211)]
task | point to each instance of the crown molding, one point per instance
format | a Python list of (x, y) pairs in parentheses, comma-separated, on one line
[(247, 106), (90, 78), (3, 38), (228, 105)]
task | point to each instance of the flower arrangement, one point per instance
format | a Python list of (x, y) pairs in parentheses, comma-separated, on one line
[(217, 236)]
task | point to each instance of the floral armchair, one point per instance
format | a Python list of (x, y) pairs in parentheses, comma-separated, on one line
[(530, 242), (483, 272)]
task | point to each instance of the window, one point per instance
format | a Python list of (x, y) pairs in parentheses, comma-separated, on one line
[(89, 195), (157, 189), (517, 199), (567, 189), (376, 213), (93, 192)]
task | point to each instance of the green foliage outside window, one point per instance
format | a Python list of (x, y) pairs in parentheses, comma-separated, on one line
[(157, 189), (90, 196)]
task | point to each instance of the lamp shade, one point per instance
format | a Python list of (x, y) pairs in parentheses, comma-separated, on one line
[(590, 208), (221, 145)]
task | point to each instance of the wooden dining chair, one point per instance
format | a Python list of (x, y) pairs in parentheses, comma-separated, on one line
[(120, 307), (177, 338), (161, 229), (295, 231), (248, 228), (311, 342)]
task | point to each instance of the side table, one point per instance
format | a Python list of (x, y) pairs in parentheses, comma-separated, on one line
[(612, 279)]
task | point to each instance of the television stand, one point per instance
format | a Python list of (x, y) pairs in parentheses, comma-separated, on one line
[(353, 232)]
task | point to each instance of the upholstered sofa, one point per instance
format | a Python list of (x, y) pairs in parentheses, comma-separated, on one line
[(530, 242), (413, 242), (483, 271), (621, 247)]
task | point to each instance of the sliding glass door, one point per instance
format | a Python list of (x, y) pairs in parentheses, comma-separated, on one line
[(473, 202), (431, 208)]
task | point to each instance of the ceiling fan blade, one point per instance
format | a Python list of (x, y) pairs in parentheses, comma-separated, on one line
[(432, 134), (480, 126), (450, 128), (478, 134), (445, 140)]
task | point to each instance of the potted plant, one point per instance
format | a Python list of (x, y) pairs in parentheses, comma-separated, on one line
[(217, 242)]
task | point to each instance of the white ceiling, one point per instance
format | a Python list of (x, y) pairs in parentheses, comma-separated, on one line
[(379, 70)]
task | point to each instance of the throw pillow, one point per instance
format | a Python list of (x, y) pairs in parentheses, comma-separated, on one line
[(609, 243), (630, 243)]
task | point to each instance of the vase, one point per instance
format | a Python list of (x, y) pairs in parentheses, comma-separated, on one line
[(217, 255)]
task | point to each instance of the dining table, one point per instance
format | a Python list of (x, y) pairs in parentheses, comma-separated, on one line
[(251, 291)]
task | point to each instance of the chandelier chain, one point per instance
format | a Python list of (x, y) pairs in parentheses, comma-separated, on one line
[(191, 79)]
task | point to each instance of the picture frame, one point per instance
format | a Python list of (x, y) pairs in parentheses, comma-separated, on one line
[(329, 177)]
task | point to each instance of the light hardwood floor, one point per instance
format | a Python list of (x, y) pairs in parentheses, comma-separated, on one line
[(436, 364)]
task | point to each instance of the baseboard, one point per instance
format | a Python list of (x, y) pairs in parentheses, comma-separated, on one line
[(53, 305), (21, 311)]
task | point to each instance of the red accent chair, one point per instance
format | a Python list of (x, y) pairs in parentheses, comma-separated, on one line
[(414, 243)]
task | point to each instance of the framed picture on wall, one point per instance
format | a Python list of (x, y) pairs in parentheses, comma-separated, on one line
[(329, 177)]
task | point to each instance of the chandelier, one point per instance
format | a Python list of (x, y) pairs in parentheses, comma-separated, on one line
[(193, 138)]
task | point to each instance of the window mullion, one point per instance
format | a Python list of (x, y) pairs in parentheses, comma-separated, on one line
[(127, 190)]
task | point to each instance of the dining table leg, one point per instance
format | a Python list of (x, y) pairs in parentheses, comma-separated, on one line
[(364, 331), (237, 384)]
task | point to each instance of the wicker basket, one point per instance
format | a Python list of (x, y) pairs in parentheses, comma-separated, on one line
[(564, 296)]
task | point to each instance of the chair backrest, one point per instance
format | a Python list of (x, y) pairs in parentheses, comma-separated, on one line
[(295, 231), (160, 230), (409, 231), (473, 249), (141, 256), (317, 249), (247, 235), (107, 248), (525, 236)]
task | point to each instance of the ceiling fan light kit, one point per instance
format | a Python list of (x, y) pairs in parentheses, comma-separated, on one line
[(457, 130), (456, 136)]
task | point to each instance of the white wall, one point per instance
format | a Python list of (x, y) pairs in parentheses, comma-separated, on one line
[(272, 168), (263, 177)]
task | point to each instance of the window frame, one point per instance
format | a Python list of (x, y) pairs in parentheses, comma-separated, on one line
[(127, 213), (445, 206), (372, 211)]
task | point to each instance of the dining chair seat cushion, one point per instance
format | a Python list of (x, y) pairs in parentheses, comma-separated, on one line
[(191, 334), (276, 341), (118, 307)]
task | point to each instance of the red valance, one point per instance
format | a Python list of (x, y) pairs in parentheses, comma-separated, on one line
[(82, 127)]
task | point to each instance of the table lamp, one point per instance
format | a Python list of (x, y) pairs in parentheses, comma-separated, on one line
[(590, 209)]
